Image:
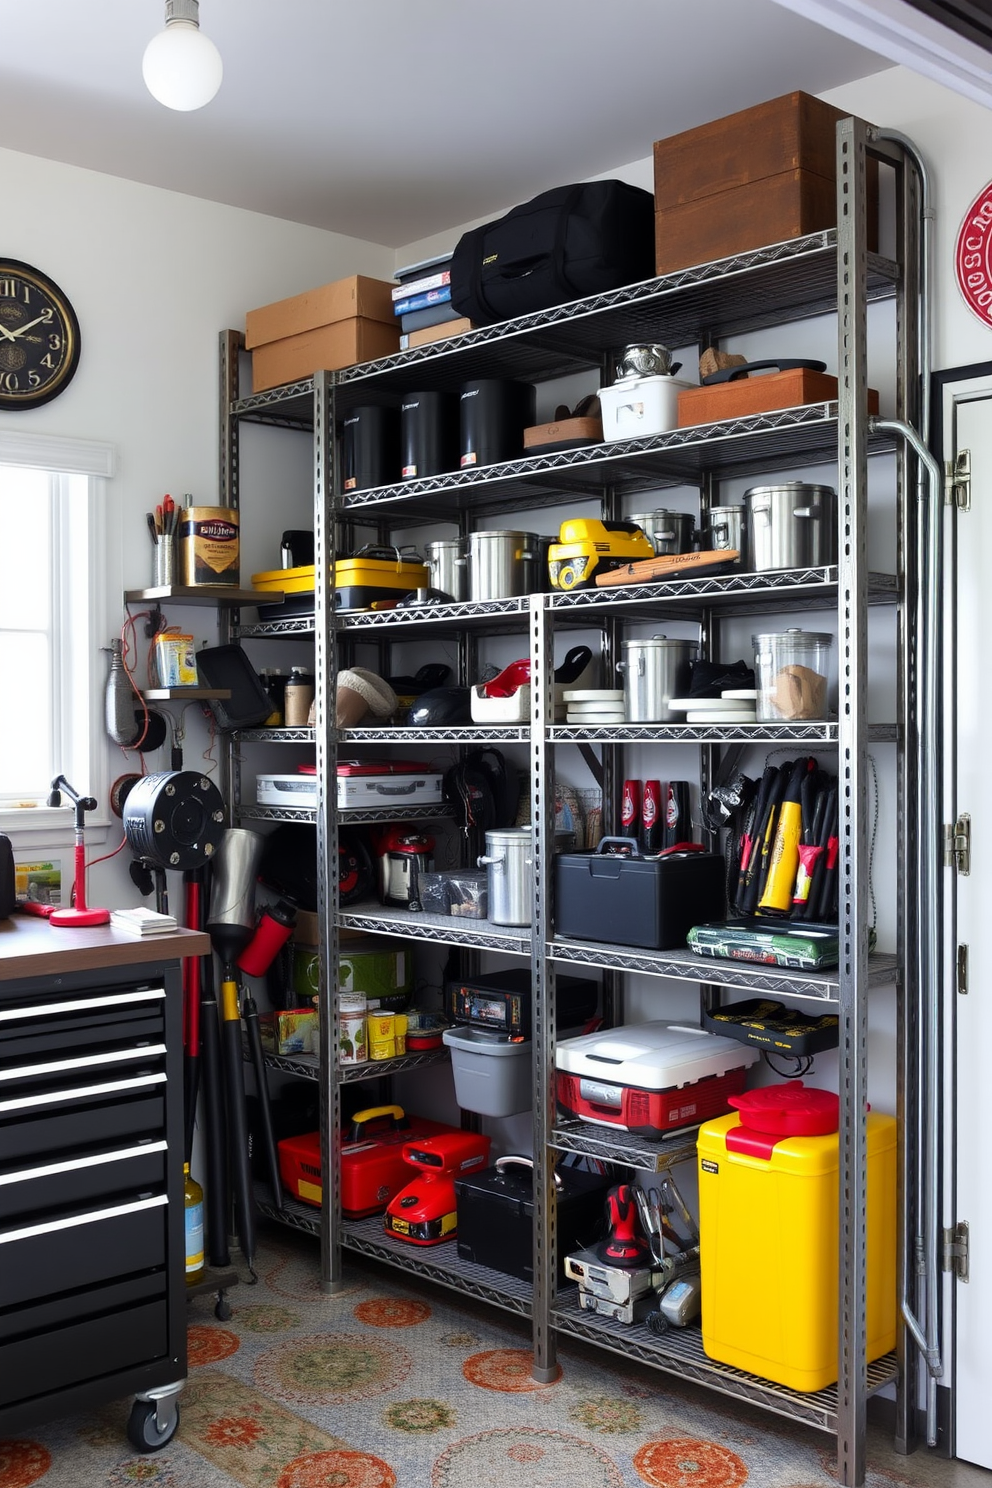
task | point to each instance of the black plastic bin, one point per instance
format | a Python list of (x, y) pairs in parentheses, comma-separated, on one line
[(630, 900)]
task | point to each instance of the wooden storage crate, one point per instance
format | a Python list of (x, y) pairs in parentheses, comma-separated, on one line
[(758, 394), (759, 176)]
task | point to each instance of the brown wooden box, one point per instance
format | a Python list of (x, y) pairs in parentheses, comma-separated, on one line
[(341, 344), (759, 176), (759, 394), (568, 433)]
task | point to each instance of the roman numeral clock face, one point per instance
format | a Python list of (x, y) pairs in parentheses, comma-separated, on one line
[(39, 337)]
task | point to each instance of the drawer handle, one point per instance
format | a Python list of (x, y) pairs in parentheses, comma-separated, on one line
[(75, 1220), (90, 1061), (72, 1165), (49, 1097), (81, 1005)]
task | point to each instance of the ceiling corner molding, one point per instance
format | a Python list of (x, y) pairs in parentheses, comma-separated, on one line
[(899, 30), (53, 452)]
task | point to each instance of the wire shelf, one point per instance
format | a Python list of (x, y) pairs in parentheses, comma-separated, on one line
[(613, 1144), (438, 1263), (446, 929)]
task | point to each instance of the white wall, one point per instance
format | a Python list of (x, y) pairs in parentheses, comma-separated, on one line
[(154, 276)]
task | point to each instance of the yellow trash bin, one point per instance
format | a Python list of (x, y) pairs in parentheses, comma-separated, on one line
[(769, 1236)]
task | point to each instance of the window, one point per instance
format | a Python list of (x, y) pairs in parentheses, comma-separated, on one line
[(52, 622)]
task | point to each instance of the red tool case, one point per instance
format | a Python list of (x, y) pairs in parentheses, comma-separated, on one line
[(372, 1166)]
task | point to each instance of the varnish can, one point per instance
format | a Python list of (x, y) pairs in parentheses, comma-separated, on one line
[(353, 1046), (209, 545)]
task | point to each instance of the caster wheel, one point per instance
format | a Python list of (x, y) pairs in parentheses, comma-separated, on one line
[(223, 1309), (143, 1430)]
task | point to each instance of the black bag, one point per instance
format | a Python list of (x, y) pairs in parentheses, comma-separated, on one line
[(484, 789), (8, 897), (563, 245)]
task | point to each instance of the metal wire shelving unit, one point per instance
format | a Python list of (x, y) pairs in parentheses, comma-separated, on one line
[(829, 273)]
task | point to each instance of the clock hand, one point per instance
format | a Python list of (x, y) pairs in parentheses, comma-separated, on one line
[(4, 332), (20, 332)]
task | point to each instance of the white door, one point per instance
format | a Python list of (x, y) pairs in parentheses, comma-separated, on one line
[(968, 426)]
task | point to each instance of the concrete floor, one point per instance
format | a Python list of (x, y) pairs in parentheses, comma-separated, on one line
[(922, 1467)]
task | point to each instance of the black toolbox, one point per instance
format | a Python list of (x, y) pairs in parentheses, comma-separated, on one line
[(624, 899), (496, 1215)]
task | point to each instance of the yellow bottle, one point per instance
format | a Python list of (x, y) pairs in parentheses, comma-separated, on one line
[(193, 1200)]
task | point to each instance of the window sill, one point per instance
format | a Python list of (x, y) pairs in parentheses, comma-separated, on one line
[(28, 826)]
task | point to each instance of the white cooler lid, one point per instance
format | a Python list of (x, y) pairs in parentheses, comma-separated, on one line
[(653, 1056)]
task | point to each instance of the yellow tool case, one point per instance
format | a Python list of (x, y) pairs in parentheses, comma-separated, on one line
[(377, 574), (768, 1234)]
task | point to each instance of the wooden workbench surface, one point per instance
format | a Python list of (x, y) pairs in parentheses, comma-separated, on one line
[(30, 946)]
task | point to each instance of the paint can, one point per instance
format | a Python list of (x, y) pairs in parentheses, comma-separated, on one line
[(209, 546)]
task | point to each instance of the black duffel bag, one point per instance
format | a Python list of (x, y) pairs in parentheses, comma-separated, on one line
[(563, 245)]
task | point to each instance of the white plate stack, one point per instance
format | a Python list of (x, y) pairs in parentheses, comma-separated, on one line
[(738, 705), (594, 707)]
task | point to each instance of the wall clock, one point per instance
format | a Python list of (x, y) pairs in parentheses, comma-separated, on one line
[(39, 337)]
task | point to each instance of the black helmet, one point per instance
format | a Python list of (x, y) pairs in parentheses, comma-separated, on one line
[(440, 706)]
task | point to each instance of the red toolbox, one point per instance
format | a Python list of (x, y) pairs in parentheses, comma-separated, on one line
[(372, 1166)]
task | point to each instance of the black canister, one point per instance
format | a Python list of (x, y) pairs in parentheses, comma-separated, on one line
[(494, 412), (369, 448), (428, 434)]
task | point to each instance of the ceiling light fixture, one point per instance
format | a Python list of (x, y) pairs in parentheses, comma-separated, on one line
[(182, 68)]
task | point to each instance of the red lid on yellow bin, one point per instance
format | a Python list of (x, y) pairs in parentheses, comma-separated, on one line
[(778, 1111)]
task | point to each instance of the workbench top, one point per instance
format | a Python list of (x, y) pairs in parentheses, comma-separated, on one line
[(30, 946)]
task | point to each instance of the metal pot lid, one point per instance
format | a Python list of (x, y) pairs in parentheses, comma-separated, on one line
[(507, 834), (658, 643), (503, 532), (723, 511), (662, 513), (789, 488), (813, 637)]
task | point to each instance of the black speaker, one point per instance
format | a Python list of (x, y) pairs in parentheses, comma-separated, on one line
[(494, 412)]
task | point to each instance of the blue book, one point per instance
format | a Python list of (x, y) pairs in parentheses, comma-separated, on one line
[(421, 301), (415, 320)]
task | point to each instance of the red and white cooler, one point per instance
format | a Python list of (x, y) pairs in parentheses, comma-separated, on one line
[(650, 1078)]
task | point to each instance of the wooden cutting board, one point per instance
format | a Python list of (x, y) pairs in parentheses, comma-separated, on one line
[(671, 566), (759, 394)]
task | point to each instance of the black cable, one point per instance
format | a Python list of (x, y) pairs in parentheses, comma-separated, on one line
[(803, 1063)]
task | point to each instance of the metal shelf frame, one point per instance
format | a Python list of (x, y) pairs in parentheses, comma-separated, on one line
[(823, 273)]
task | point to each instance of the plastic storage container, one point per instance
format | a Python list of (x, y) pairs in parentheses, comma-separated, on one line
[(794, 670), (492, 1074), (769, 1225), (638, 406)]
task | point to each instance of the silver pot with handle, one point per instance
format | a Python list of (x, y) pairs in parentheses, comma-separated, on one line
[(509, 864), (448, 566), (655, 669), (791, 525), (725, 527), (503, 564), (669, 531)]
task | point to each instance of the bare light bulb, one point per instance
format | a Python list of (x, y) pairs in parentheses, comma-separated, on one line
[(182, 68)]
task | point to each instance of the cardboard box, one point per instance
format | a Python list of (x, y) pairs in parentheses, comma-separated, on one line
[(346, 299), (759, 176), (758, 394), (293, 1032), (426, 334), (331, 346)]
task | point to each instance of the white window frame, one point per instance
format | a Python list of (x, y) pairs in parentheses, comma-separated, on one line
[(87, 764)]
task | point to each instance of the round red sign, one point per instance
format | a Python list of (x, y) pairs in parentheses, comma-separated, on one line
[(973, 256)]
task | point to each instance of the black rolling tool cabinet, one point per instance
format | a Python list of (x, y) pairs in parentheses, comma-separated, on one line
[(92, 1251)]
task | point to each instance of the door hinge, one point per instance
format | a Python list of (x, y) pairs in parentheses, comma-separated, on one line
[(957, 844), (955, 1257), (962, 970), (957, 481)]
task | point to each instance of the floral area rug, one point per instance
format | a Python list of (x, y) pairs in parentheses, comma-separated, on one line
[(393, 1385)]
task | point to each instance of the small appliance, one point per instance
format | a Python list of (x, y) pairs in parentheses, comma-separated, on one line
[(404, 853), (587, 546), (425, 1211)]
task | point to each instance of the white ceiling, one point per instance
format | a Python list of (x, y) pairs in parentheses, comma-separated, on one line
[(391, 120)]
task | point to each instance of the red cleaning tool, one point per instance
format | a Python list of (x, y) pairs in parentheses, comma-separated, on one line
[(626, 1245)]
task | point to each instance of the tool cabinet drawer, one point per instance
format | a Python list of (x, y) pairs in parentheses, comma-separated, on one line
[(63, 1183), (101, 1346), (89, 1118), (82, 1249), (47, 1027), (76, 1307)]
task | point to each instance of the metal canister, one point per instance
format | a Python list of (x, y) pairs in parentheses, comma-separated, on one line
[(509, 864), (502, 564), (353, 1042), (669, 531), (792, 525), (655, 669), (209, 546), (726, 527)]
